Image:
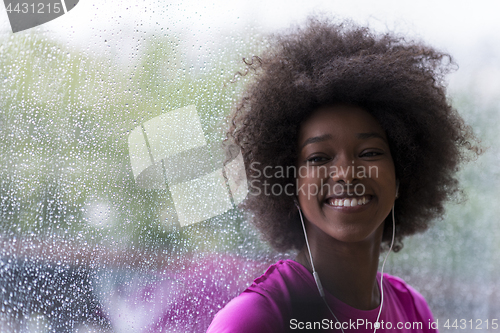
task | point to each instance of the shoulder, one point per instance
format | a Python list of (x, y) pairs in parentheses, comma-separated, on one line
[(410, 300), (262, 307), (249, 312)]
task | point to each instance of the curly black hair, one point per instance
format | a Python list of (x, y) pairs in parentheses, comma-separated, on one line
[(399, 82)]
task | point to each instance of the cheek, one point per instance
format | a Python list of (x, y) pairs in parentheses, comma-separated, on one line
[(310, 184), (387, 182)]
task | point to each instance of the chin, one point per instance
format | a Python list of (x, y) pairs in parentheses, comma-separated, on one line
[(355, 236)]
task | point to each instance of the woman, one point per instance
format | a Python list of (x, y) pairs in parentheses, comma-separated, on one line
[(350, 145)]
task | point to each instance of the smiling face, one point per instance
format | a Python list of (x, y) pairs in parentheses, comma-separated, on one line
[(346, 179)]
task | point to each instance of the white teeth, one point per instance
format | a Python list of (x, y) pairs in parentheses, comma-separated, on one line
[(350, 202)]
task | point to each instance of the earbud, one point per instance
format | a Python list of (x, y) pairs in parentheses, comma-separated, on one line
[(296, 202), (397, 188)]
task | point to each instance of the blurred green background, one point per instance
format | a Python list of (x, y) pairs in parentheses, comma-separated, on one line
[(68, 196)]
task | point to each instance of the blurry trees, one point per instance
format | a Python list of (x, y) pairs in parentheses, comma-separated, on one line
[(68, 197)]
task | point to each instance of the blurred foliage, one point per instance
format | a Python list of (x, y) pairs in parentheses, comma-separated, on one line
[(65, 116), (64, 121)]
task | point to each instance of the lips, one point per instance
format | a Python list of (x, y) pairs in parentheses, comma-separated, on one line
[(349, 202)]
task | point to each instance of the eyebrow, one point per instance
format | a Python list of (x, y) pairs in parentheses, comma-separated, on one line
[(316, 139), (364, 136), (361, 136)]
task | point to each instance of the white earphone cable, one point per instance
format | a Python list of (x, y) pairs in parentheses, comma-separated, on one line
[(315, 274), (377, 325), (318, 282)]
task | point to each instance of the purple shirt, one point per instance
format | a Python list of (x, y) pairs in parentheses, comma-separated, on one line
[(286, 299)]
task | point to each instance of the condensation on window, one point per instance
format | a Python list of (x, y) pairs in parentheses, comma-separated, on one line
[(118, 206)]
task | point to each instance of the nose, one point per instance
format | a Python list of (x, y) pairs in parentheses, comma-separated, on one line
[(343, 170)]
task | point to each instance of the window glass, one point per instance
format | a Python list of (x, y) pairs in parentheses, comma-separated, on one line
[(117, 213)]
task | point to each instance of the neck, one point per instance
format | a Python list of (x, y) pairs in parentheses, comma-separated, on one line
[(348, 271)]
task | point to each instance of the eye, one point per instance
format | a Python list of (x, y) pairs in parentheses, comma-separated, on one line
[(317, 159), (371, 154)]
